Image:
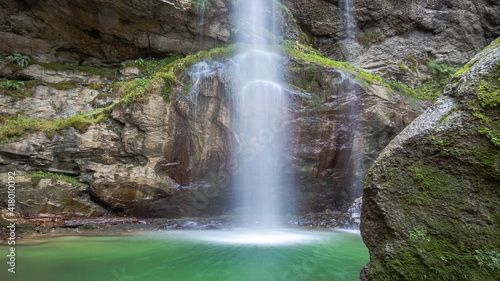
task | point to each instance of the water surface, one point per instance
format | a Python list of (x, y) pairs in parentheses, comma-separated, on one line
[(193, 255)]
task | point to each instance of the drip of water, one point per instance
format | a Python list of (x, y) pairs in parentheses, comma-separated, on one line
[(200, 74), (260, 111)]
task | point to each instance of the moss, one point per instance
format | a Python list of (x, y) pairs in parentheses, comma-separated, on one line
[(432, 251), (466, 68), (18, 124), (485, 106), (181, 65), (308, 55), (469, 65), (37, 176), (96, 86), (436, 203), (150, 67), (65, 85), (402, 67), (488, 94), (32, 84), (109, 73), (368, 38), (285, 8), (79, 122), (430, 90), (170, 82), (203, 4), (17, 93)]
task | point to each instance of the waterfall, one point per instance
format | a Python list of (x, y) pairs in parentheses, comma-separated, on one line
[(350, 28), (260, 111)]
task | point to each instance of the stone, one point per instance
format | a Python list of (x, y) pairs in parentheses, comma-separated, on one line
[(49, 76), (53, 196), (436, 185)]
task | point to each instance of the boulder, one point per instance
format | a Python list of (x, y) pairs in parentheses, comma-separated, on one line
[(431, 199)]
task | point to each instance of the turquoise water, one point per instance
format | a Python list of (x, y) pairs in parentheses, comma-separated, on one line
[(190, 255)]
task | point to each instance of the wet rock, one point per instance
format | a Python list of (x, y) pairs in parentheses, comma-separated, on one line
[(112, 32), (354, 212), (173, 157), (110, 221), (50, 76), (339, 131)]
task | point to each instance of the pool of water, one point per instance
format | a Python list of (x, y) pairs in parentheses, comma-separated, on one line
[(237, 255)]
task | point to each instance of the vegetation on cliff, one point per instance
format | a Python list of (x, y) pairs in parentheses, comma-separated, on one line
[(158, 77)]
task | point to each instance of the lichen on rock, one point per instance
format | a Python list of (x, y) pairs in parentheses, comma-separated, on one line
[(431, 200)]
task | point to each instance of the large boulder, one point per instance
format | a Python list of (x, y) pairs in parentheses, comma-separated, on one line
[(431, 200)]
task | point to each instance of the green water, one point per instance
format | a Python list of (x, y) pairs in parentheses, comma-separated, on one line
[(180, 256)]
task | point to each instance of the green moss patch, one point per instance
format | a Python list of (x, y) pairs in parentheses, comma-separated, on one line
[(18, 124), (181, 65), (307, 55), (37, 176), (65, 85), (430, 90), (150, 67), (109, 73)]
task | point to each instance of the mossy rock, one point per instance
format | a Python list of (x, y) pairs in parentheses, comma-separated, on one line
[(432, 198)]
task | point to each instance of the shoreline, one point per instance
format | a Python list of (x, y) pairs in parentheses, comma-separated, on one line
[(31, 229)]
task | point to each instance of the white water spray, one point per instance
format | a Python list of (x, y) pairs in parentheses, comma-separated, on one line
[(260, 111)]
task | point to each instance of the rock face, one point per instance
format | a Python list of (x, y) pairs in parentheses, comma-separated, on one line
[(431, 200), (339, 131), (104, 30), (172, 156), (96, 31), (152, 158), (386, 34), (391, 32)]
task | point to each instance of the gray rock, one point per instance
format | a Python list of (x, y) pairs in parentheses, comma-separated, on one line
[(436, 185), (449, 32), (174, 157)]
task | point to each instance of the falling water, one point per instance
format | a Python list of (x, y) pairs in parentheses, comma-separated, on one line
[(350, 28), (353, 183), (260, 115)]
